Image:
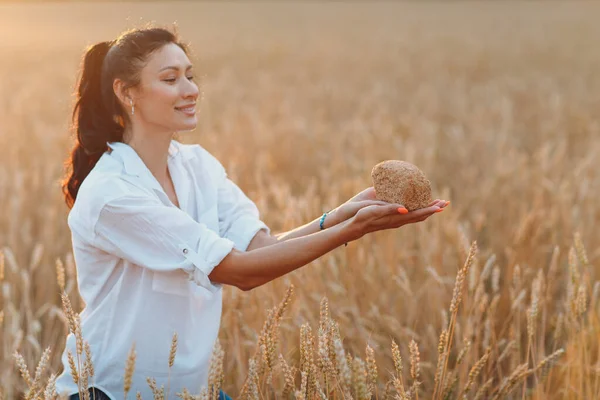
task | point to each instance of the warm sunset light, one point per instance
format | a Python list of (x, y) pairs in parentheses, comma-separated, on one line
[(299, 200)]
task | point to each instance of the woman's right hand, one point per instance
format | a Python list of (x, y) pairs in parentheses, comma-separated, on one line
[(381, 217)]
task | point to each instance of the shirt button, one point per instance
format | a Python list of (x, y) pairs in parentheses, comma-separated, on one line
[(185, 251)]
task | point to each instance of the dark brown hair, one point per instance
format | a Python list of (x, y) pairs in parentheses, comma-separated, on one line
[(98, 117)]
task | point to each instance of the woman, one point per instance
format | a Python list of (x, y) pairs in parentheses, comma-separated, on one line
[(158, 228)]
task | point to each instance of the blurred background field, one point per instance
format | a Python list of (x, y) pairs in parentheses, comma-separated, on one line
[(496, 102)]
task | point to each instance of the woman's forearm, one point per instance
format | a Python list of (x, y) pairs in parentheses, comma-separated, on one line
[(250, 269), (309, 228), (262, 265)]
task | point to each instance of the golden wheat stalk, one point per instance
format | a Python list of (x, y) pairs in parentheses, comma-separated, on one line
[(455, 302), (216, 375), (129, 369), (415, 368), (475, 371), (172, 354)]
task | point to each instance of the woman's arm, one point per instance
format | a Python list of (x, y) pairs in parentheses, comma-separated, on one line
[(251, 269), (262, 239), (339, 214)]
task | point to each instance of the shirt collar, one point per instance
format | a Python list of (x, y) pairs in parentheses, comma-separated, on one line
[(131, 160), (134, 166)]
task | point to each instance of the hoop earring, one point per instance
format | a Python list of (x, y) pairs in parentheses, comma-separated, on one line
[(132, 108)]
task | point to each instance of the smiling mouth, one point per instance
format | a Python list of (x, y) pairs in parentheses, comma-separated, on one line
[(187, 110)]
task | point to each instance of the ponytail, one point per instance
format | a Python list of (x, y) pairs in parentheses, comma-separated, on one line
[(92, 121), (98, 117)]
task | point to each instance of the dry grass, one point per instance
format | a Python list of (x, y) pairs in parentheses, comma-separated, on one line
[(496, 103)]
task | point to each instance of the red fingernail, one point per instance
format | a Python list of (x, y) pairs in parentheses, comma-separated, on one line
[(402, 210), (440, 210)]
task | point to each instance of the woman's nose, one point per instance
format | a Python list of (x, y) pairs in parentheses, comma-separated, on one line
[(191, 89)]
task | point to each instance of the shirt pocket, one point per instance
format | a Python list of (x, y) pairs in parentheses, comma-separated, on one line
[(171, 282)]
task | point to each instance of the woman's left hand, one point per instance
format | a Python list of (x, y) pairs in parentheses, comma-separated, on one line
[(347, 210), (365, 198), (367, 194)]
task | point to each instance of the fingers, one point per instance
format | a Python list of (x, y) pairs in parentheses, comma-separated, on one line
[(405, 215), (390, 218), (392, 209), (366, 203), (436, 206), (425, 211), (440, 203), (396, 214), (395, 209), (376, 211)]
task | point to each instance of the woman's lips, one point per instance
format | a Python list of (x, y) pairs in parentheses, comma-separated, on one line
[(187, 110)]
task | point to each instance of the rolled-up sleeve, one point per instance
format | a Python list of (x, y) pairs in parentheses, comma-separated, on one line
[(147, 233), (239, 218)]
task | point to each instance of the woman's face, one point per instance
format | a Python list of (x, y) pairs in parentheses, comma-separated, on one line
[(166, 98)]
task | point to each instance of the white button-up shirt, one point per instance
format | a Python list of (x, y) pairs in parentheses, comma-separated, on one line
[(143, 266)]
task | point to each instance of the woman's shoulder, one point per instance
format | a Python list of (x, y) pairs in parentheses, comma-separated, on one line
[(104, 183), (107, 179)]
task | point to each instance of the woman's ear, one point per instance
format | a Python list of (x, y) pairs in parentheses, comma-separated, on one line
[(121, 93)]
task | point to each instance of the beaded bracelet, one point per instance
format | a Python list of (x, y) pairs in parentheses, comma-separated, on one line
[(321, 224), (322, 220)]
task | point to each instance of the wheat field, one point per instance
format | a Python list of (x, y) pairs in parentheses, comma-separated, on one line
[(497, 103)]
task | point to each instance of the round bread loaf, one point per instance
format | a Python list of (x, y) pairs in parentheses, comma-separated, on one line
[(401, 182)]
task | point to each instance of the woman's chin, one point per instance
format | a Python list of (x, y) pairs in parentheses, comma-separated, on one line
[(186, 127)]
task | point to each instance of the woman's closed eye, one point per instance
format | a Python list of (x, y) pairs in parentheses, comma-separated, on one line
[(191, 78)]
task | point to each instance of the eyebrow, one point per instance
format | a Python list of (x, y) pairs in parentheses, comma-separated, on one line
[(174, 67)]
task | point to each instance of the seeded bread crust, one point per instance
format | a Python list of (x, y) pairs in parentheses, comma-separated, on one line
[(401, 182)]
